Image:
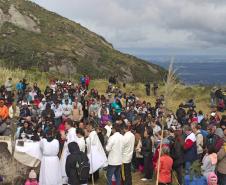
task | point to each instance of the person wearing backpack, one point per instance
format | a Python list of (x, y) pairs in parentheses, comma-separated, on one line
[(77, 165), (213, 139)]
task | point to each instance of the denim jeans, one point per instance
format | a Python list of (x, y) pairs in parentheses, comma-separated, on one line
[(114, 170), (187, 167)]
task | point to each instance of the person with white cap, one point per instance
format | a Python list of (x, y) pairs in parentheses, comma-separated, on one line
[(42, 105)]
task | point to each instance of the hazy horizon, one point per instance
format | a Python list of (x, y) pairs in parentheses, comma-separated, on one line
[(149, 26)]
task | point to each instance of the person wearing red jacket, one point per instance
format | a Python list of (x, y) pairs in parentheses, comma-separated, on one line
[(190, 148), (165, 168), (87, 81)]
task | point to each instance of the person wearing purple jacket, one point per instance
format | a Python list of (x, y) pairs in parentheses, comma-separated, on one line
[(104, 119)]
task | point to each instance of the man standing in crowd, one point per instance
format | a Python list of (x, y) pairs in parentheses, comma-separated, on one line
[(8, 86), (115, 151), (155, 88), (190, 148), (148, 88), (128, 149), (181, 114), (221, 166), (70, 137), (67, 110), (213, 139)]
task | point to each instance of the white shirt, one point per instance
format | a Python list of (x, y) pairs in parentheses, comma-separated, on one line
[(57, 111), (32, 94), (42, 106), (8, 85), (128, 147), (156, 129), (108, 128), (67, 109), (81, 144), (71, 135), (115, 147), (100, 111)]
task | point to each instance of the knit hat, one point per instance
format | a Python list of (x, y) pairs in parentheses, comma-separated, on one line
[(212, 179), (32, 175)]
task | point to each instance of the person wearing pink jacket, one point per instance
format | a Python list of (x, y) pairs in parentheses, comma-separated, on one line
[(32, 179)]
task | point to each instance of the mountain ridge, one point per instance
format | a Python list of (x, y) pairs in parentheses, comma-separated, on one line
[(33, 37)]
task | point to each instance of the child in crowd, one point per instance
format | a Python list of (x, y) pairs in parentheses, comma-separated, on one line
[(32, 178)]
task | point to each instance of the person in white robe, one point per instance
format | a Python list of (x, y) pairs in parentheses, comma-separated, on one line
[(95, 151), (70, 137), (81, 140), (50, 171)]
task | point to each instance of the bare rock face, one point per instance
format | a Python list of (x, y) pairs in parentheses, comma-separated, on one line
[(20, 20), (10, 169)]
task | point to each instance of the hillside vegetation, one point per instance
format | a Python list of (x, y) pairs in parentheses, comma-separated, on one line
[(201, 94), (32, 37)]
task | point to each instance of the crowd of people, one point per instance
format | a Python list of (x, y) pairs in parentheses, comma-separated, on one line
[(72, 121)]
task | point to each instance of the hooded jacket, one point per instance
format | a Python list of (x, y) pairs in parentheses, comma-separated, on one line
[(71, 162), (190, 148)]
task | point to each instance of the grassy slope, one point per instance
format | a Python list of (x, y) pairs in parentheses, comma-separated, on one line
[(182, 93), (70, 43)]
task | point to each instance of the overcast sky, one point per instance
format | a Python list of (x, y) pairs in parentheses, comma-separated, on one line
[(151, 26)]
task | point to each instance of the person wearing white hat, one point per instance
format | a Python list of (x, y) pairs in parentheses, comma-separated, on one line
[(42, 105)]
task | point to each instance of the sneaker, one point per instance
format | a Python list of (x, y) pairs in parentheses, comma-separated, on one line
[(144, 179)]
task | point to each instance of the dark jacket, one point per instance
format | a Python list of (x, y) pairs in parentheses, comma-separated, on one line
[(146, 149), (214, 140), (177, 153), (71, 162), (27, 131), (180, 113)]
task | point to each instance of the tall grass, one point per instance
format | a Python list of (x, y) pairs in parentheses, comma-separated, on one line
[(175, 93), (18, 74)]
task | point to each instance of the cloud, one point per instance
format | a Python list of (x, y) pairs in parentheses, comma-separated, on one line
[(149, 23)]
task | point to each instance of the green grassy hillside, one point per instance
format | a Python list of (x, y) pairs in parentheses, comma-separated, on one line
[(32, 37)]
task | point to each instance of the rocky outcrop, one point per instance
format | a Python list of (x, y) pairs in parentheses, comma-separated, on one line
[(10, 169), (15, 17)]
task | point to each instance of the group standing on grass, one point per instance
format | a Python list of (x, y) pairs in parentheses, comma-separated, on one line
[(82, 132)]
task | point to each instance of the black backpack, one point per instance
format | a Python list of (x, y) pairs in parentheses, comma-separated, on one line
[(83, 167)]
